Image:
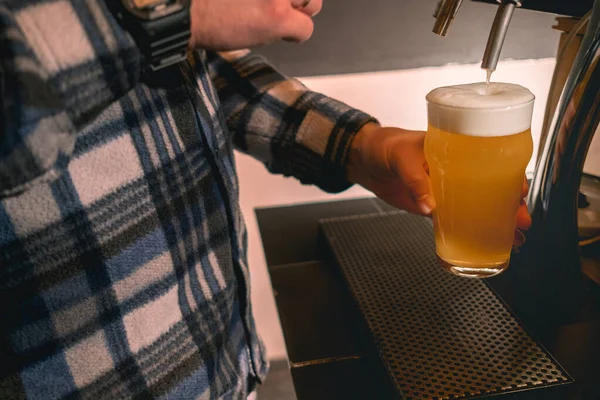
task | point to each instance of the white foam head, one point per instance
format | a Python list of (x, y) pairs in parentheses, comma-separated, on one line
[(503, 109)]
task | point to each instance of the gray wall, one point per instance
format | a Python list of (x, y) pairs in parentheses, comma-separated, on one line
[(375, 35)]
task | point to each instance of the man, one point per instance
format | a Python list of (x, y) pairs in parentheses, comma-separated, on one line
[(122, 247)]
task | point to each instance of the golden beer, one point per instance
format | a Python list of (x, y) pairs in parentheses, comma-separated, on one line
[(477, 148)]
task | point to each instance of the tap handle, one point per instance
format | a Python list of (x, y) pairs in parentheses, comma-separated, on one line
[(444, 15), (497, 34)]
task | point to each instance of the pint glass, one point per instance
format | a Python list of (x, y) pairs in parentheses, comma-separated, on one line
[(477, 147)]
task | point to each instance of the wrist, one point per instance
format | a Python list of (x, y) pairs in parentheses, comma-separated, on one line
[(194, 23), (356, 155)]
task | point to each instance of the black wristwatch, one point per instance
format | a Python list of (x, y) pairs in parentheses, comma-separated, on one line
[(160, 28)]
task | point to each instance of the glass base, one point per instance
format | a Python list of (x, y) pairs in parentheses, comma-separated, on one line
[(471, 271)]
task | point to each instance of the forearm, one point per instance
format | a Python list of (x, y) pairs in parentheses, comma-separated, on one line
[(293, 130)]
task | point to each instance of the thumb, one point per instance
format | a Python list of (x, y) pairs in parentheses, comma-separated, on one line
[(296, 26)]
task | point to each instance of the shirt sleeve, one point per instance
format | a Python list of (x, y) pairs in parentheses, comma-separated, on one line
[(292, 130), (63, 61)]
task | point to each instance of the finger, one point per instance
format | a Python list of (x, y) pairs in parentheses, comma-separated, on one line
[(523, 217), (296, 26), (525, 188), (410, 169), (519, 238), (312, 8), (402, 201)]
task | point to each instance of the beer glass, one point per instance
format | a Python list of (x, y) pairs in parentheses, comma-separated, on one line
[(477, 147)]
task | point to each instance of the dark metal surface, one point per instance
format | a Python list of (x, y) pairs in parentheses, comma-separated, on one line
[(574, 8), (440, 336), (328, 343), (362, 379), (289, 235), (318, 325)]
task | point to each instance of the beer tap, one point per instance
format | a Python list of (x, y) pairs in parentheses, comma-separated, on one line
[(444, 16), (497, 35)]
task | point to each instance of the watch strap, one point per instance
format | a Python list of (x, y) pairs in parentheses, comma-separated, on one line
[(162, 41), (165, 41)]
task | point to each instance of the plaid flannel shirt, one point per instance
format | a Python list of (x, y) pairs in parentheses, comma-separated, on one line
[(122, 246)]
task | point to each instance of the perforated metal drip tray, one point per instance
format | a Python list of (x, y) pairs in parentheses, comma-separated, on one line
[(440, 336)]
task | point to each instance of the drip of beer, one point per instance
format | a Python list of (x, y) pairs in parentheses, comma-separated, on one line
[(489, 73)]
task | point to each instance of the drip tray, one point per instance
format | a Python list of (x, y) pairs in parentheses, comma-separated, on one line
[(440, 336)]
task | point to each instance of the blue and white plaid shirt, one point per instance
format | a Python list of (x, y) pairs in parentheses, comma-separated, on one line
[(122, 246)]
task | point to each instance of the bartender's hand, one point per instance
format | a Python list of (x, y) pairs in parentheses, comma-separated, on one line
[(390, 162), (238, 24)]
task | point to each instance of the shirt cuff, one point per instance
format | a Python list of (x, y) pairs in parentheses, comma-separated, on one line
[(320, 154)]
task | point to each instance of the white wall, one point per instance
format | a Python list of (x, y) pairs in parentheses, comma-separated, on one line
[(396, 98)]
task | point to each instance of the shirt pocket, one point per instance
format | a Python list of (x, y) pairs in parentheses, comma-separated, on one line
[(34, 152)]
